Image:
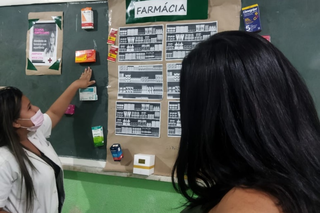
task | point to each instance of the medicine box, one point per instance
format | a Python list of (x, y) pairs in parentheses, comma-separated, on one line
[(116, 152), (87, 21), (85, 56), (251, 18), (97, 134), (143, 164), (88, 94)]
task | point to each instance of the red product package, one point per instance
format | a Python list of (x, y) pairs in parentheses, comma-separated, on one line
[(112, 36), (113, 52), (84, 56)]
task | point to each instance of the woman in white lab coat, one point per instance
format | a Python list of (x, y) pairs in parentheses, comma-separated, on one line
[(31, 176)]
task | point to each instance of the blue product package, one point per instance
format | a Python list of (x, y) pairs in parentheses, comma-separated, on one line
[(116, 152), (251, 17)]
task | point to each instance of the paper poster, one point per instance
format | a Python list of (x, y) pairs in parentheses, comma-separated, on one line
[(141, 43), (174, 120), (141, 119), (182, 38), (140, 82), (43, 43), (173, 80)]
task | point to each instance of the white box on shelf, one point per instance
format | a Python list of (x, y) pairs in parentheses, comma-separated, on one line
[(143, 164)]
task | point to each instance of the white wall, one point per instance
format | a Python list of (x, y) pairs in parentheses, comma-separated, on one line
[(20, 2)]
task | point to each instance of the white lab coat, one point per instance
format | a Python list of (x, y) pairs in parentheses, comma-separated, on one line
[(44, 181)]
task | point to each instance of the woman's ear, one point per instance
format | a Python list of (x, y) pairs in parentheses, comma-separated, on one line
[(16, 125)]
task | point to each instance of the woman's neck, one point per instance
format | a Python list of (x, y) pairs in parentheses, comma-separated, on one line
[(240, 200), (23, 134)]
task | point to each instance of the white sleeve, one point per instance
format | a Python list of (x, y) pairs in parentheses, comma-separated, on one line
[(6, 182), (46, 127)]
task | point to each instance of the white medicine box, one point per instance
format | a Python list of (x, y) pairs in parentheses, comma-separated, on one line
[(143, 164), (88, 94)]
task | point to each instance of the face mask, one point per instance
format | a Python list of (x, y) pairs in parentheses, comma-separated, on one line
[(37, 121)]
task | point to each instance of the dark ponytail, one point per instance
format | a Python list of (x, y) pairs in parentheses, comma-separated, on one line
[(10, 105)]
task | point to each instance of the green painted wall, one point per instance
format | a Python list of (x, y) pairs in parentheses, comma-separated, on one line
[(92, 193)]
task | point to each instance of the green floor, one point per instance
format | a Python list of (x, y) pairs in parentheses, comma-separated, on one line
[(91, 193)]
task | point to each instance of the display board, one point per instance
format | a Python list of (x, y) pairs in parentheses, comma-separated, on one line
[(143, 104)]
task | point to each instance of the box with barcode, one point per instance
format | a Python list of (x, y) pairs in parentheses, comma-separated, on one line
[(88, 94)]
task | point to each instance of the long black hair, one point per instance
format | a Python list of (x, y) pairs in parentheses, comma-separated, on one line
[(248, 120), (10, 106)]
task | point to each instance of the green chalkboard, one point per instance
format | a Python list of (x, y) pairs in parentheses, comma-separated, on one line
[(72, 136), (294, 28)]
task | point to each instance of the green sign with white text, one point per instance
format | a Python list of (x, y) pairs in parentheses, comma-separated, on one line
[(140, 11)]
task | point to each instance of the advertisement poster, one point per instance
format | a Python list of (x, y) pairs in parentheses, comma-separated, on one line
[(43, 43)]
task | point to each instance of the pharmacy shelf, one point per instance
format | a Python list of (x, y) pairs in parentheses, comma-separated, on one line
[(160, 70), (149, 59), (131, 118), (139, 135), (140, 82), (185, 41), (174, 58), (173, 135), (179, 50), (141, 35), (174, 126), (173, 69), (142, 51), (204, 31), (138, 110), (117, 125), (158, 42), (139, 94), (172, 79)]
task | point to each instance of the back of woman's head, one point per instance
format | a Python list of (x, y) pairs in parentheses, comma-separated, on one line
[(10, 106), (247, 120)]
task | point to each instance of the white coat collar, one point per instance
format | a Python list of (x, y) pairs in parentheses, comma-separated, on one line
[(37, 139)]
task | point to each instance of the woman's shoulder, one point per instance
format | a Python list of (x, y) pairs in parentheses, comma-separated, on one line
[(6, 156), (9, 168), (240, 200)]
